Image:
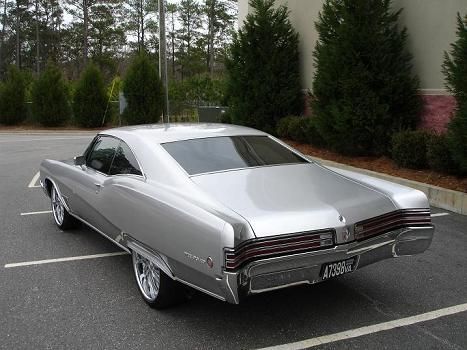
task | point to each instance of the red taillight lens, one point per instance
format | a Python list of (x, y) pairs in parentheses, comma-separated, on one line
[(277, 246), (392, 221)]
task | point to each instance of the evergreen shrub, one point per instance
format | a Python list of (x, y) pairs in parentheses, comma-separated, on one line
[(90, 98), (13, 98), (439, 155), (263, 77), (50, 98), (364, 90), (409, 149), (455, 71), (143, 91)]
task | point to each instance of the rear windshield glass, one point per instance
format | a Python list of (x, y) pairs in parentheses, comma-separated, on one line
[(199, 156)]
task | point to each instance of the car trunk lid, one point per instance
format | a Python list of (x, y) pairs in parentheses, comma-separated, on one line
[(294, 198)]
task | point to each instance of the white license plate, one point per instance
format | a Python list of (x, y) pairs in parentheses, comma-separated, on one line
[(337, 268)]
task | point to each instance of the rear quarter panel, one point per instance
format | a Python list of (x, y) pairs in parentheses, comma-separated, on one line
[(182, 231)]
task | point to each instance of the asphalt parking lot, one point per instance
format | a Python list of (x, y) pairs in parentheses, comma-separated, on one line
[(415, 302)]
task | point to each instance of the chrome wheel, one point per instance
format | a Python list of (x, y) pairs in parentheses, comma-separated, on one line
[(57, 207), (148, 277)]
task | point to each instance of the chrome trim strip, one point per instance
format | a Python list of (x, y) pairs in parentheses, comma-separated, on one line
[(199, 288), (257, 291), (99, 231)]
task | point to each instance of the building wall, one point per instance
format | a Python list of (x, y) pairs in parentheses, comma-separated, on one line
[(431, 26)]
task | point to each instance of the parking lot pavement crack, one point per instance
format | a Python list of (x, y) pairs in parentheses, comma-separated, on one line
[(445, 342), (378, 306)]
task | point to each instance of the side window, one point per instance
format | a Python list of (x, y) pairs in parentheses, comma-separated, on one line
[(102, 153), (124, 161)]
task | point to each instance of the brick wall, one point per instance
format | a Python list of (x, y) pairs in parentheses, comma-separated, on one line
[(437, 112)]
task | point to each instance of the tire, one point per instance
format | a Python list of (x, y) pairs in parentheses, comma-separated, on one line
[(158, 290), (61, 216)]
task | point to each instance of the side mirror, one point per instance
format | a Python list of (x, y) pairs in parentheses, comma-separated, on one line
[(80, 160)]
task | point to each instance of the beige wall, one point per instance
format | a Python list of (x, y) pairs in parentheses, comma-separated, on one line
[(431, 27)]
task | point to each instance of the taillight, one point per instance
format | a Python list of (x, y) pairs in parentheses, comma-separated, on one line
[(276, 246), (392, 221)]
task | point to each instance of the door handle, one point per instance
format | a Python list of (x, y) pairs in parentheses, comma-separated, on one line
[(98, 187)]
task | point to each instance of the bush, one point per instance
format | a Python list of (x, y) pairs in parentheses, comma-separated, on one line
[(13, 98), (409, 149), (363, 89), (50, 98), (282, 127), (263, 82), (297, 129), (455, 70), (142, 88), (439, 155), (313, 136), (90, 98), (301, 129)]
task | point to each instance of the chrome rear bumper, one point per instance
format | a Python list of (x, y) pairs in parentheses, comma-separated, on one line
[(281, 272)]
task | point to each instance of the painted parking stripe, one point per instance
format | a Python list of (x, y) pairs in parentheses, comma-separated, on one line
[(36, 212), (70, 258), (358, 332), (439, 214), (33, 181), (47, 139)]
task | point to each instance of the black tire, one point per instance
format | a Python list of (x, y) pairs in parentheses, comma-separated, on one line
[(159, 291), (62, 218)]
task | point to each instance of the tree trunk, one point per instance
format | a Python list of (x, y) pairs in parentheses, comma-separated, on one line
[(211, 37), (18, 43), (141, 18), (38, 67), (85, 35), (172, 35), (3, 38)]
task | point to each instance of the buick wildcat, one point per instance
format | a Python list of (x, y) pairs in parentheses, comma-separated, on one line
[(229, 210)]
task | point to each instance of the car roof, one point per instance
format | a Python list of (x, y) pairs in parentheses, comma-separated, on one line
[(162, 133)]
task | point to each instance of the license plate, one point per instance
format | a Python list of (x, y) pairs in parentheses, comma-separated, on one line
[(337, 268)]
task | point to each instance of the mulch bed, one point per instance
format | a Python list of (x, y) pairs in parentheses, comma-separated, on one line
[(386, 166)]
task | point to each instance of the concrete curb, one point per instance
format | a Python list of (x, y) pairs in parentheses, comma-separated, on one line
[(443, 198)]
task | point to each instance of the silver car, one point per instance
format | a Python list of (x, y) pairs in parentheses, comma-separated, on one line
[(229, 210)]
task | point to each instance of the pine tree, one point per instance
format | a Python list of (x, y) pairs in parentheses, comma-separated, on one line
[(364, 90), (263, 68), (142, 88), (50, 98), (90, 98), (13, 98), (455, 71)]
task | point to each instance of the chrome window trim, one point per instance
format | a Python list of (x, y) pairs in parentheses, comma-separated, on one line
[(143, 176)]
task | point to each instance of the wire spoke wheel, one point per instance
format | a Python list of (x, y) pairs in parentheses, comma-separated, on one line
[(57, 207), (148, 276)]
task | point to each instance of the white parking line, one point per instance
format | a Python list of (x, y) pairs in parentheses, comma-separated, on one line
[(358, 332), (33, 181), (438, 214), (47, 139), (36, 212), (70, 258)]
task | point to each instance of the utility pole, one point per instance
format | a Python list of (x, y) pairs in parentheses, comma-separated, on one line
[(163, 61)]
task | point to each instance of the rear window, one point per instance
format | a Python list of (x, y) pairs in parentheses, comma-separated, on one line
[(199, 156)]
